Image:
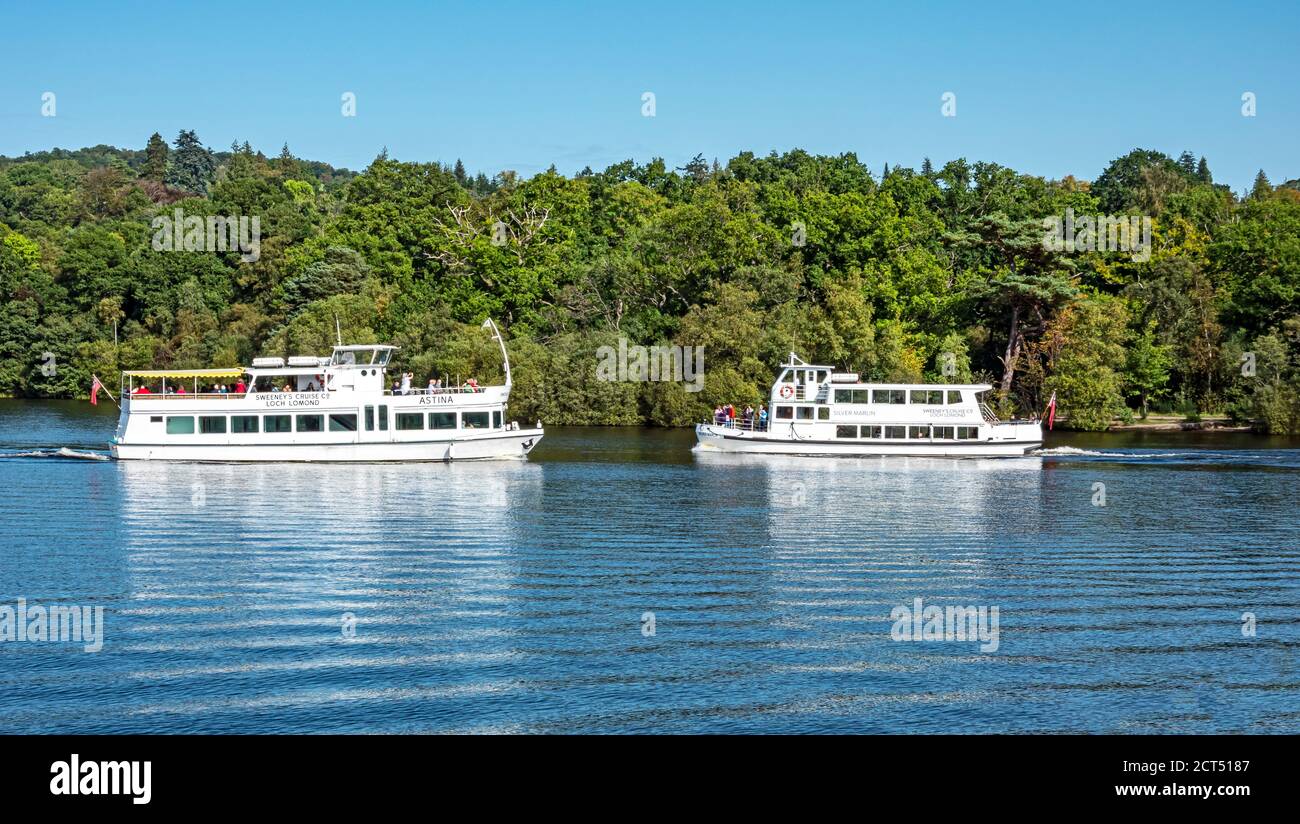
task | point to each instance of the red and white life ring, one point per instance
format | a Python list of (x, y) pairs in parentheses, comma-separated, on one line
[(787, 391)]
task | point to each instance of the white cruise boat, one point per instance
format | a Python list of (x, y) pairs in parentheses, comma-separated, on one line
[(815, 410), (314, 409)]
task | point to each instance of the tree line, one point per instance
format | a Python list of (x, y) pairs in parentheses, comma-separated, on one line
[(936, 274)]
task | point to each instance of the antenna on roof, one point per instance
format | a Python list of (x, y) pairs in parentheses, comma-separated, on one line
[(338, 333)]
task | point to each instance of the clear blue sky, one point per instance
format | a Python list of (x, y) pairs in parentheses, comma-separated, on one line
[(1047, 88)]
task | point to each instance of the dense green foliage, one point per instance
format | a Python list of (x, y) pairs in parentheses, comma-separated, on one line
[(764, 255)]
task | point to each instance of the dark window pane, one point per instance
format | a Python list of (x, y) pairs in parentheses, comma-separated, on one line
[(311, 423), (442, 420), (410, 420)]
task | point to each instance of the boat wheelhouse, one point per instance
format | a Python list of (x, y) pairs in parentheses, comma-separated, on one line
[(815, 410), (314, 409)]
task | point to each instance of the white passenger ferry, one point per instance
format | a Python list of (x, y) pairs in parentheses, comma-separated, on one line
[(314, 409), (815, 410)]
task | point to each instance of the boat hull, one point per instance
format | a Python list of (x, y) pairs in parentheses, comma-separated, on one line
[(500, 445), (712, 438)]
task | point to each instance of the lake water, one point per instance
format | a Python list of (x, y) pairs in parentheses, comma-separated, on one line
[(616, 582)]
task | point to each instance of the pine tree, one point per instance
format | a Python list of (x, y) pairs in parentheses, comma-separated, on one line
[(1262, 187), (927, 168), (193, 166), (1187, 162), (459, 172), (1203, 172), (155, 159)]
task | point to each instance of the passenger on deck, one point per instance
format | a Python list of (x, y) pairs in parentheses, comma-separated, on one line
[(311, 387), (749, 416), (406, 382), (762, 418), (719, 417), (240, 388), (472, 385)]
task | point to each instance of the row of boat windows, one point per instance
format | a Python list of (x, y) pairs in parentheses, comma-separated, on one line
[(333, 422), (933, 397), (805, 413), (915, 433)]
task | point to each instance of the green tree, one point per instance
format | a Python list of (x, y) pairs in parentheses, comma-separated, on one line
[(192, 166), (155, 159)]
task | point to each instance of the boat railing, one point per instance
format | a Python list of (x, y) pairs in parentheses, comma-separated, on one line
[(445, 390), (149, 396), (988, 414), (741, 424), (819, 394)]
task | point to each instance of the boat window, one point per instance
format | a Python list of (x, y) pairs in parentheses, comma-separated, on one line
[(343, 422), (919, 433), (382, 357), (410, 420), (212, 424), (846, 432), (241, 424), (932, 396), (943, 433), (784, 413), (823, 413), (496, 420), (155, 419), (442, 420), (474, 420), (370, 419), (805, 413), (310, 423), (383, 417), (968, 433), (888, 396), (896, 432), (954, 396), (786, 377), (276, 423), (180, 426), (853, 396), (870, 432)]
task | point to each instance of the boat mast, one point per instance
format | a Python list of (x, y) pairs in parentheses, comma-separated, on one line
[(496, 333)]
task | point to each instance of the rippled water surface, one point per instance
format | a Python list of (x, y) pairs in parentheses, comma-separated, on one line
[(518, 596)]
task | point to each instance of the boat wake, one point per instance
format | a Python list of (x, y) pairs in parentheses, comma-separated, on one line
[(62, 452), (1070, 451)]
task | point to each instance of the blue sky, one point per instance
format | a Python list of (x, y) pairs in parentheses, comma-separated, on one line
[(1050, 89)]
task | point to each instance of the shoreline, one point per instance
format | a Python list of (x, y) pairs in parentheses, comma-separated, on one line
[(1175, 424)]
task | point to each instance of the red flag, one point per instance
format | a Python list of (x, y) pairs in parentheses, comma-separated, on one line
[(1051, 412), (94, 391)]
